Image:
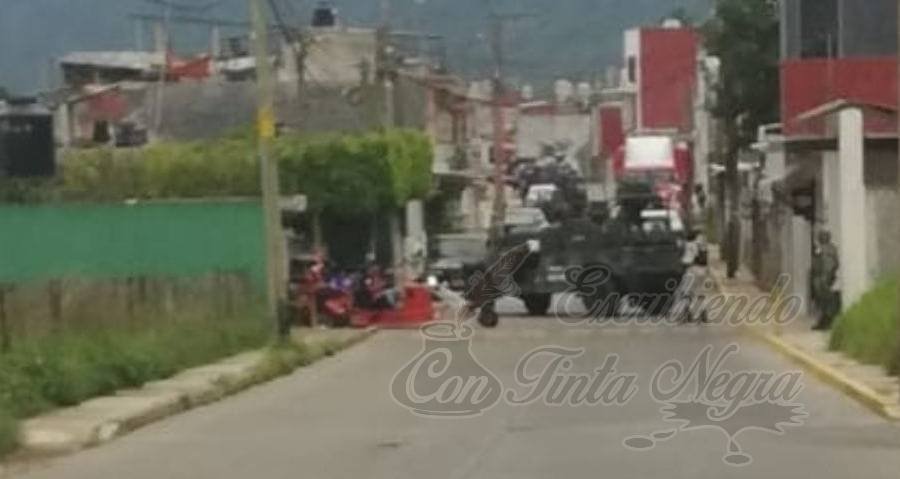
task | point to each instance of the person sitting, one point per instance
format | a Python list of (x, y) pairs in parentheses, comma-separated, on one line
[(379, 294)]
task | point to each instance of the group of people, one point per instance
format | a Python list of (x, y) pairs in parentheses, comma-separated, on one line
[(325, 286)]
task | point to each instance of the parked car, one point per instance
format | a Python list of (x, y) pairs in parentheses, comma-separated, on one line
[(454, 258)]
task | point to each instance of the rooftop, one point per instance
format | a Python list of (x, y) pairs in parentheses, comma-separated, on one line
[(127, 60)]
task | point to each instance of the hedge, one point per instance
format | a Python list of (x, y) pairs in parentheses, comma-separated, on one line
[(868, 330), (341, 173)]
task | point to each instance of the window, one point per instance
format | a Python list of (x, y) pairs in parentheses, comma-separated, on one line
[(632, 70)]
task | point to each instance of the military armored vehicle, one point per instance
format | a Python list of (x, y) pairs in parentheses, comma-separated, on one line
[(637, 251)]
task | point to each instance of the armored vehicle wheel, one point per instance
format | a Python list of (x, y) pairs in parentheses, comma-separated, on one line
[(537, 304), (488, 317)]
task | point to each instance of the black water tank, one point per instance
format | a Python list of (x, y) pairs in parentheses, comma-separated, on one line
[(325, 15), (27, 147)]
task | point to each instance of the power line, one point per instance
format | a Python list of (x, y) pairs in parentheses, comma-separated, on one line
[(497, 26), (300, 45)]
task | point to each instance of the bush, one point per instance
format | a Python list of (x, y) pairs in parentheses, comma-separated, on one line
[(868, 330), (359, 173), (8, 432)]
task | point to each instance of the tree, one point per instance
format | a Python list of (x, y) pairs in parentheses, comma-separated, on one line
[(4, 93), (745, 35)]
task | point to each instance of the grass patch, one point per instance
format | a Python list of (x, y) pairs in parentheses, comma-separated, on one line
[(68, 368), (868, 330), (285, 357)]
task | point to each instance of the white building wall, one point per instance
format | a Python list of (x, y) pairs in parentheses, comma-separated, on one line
[(533, 131), (854, 277), (335, 57), (830, 195), (632, 47)]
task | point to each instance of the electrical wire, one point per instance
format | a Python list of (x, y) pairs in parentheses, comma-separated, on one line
[(310, 75)]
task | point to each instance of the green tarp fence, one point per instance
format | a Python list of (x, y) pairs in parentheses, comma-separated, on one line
[(174, 239)]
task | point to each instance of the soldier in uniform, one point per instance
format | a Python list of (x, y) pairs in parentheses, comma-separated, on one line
[(823, 277)]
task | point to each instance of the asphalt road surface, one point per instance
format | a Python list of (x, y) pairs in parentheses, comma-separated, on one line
[(338, 419)]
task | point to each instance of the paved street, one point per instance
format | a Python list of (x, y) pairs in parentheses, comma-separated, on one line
[(337, 420)]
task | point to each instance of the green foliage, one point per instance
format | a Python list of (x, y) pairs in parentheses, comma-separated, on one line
[(745, 35), (409, 155), (9, 432), (340, 174), (868, 330), (68, 368), (167, 170)]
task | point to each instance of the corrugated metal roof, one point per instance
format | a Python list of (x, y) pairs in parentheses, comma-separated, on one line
[(131, 60)]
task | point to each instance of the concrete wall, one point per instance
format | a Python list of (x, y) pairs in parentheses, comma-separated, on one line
[(536, 130), (883, 219), (883, 223), (335, 56), (214, 108)]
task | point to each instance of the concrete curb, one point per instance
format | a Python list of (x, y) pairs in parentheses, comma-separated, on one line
[(883, 405), (103, 419), (860, 392)]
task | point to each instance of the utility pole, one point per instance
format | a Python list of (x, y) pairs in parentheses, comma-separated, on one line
[(275, 251), (386, 73), (897, 340), (733, 193), (498, 103), (499, 127), (297, 42), (163, 44)]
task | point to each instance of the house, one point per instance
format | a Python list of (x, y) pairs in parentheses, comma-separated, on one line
[(663, 88), (563, 122), (660, 73), (836, 146), (82, 68)]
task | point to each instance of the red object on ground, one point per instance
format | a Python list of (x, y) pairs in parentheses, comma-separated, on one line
[(416, 309), (339, 305)]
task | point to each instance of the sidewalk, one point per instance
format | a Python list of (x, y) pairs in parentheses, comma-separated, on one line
[(103, 419), (870, 385)]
